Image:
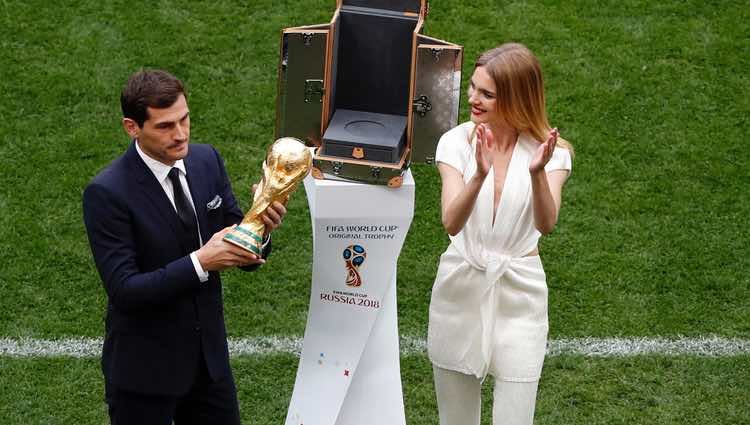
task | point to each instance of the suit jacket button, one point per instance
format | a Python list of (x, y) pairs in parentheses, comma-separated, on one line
[(197, 328)]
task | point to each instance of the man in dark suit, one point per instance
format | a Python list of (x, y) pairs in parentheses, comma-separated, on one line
[(155, 219)]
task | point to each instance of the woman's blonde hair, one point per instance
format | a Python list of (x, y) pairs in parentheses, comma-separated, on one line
[(520, 89)]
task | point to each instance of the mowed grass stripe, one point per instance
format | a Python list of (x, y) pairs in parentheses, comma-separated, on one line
[(709, 346)]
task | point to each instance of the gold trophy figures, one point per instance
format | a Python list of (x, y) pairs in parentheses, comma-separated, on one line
[(288, 161)]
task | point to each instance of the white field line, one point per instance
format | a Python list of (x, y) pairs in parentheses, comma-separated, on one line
[(709, 346)]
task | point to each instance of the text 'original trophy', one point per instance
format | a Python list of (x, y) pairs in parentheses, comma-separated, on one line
[(288, 162)]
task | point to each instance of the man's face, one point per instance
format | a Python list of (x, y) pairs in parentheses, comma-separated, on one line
[(165, 134)]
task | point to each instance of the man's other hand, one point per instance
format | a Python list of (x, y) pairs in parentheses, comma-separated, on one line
[(273, 215)]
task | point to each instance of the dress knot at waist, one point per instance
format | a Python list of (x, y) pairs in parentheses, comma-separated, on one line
[(496, 266)]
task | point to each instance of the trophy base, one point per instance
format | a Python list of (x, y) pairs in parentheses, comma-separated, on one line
[(245, 239)]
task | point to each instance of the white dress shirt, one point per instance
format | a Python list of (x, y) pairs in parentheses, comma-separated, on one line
[(161, 172)]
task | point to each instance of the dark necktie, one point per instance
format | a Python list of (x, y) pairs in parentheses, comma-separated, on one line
[(185, 211)]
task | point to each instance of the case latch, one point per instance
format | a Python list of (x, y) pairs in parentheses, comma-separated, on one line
[(375, 172), (314, 88), (422, 105), (337, 165), (358, 153), (436, 54)]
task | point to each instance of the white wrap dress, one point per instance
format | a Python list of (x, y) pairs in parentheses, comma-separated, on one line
[(488, 312)]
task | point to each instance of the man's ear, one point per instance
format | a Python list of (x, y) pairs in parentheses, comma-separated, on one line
[(131, 127)]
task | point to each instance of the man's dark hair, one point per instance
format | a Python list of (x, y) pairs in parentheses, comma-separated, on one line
[(149, 88)]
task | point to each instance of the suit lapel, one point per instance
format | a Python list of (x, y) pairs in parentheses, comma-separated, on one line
[(154, 192)]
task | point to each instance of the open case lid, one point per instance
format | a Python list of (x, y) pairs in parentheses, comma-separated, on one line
[(404, 6), (301, 90), (437, 92)]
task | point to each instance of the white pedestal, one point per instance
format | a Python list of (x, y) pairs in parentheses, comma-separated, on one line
[(349, 371)]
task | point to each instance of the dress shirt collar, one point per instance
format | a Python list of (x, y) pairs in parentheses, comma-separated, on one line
[(160, 170)]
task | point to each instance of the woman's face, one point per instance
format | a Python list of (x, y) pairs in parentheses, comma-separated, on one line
[(482, 97)]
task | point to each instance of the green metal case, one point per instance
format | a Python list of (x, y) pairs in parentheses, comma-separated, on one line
[(318, 75)]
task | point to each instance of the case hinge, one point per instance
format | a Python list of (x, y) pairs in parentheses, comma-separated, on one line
[(307, 38), (314, 88), (429, 160), (422, 105)]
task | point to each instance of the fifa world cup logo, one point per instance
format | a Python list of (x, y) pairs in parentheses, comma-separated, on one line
[(354, 257)]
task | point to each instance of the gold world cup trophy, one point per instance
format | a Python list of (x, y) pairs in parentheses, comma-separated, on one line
[(288, 162)]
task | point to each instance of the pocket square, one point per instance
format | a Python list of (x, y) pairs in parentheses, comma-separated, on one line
[(215, 203)]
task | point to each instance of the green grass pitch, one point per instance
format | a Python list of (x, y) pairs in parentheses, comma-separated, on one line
[(652, 237)]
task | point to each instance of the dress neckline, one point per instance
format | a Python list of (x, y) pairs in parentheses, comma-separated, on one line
[(496, 209)]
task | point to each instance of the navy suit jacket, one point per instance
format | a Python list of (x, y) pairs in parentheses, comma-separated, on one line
[(161, 320)]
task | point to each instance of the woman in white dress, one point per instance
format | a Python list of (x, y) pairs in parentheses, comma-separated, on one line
[(502, 177)]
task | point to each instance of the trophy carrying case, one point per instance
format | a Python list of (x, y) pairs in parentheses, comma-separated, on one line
[(368, 90)]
